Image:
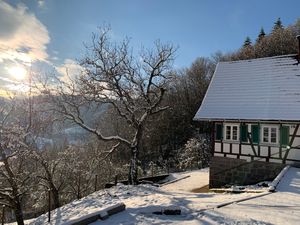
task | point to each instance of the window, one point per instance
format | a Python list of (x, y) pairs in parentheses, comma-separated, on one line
[(232, 132), (228, 132), (270, 134)]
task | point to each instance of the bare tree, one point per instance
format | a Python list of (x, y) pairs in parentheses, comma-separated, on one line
[(14, 154), (52, 175), (134, 87)]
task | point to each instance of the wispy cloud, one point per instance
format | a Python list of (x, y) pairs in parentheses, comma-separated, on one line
[(69, 69), (41, 3), (23, 38)]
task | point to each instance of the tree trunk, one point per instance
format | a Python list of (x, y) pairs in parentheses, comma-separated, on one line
[(17, 206), (55, 195), (79, 188), (19, 213), (133, 169)]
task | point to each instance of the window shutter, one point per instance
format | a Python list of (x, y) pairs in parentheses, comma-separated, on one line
[(219, 132), (255, 134), (284, 135), (244, 132)]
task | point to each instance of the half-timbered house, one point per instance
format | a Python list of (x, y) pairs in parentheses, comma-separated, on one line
[(255, 108)]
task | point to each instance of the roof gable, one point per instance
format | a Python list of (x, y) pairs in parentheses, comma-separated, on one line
[(258, 89)]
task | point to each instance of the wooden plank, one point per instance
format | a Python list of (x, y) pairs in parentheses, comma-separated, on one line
[(222, 147), (251, 143), (280, 147), (103, 214), (114, 210)]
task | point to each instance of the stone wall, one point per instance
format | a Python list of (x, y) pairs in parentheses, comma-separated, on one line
[(229, 171)]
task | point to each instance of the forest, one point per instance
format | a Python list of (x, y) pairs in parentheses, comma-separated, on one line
[(125, 116)]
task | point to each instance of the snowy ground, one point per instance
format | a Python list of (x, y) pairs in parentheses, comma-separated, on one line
[(281, 207), (196, 179)]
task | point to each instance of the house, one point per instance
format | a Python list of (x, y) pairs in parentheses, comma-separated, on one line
[(254, 106)]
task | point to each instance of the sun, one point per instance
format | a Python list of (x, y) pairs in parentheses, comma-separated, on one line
[(19, 73)]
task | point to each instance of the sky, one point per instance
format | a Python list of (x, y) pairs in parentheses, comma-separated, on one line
[(48, 35)]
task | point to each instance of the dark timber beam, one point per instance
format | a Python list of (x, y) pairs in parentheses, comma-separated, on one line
[(251, 143), (290, 144)]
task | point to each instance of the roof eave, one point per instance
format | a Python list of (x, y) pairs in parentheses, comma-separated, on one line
[(245, 120)]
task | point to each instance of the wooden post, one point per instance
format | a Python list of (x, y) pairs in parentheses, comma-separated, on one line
[(168, 167), (251, 143), (116, 179), (212, 138), (152, 169), (49, 205), (3, 214), (96, 178)]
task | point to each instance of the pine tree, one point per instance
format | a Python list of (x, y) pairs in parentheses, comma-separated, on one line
[(261, 35), (277, 25), (247, 42)]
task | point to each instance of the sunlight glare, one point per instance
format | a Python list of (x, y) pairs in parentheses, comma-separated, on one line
[(17, 72)]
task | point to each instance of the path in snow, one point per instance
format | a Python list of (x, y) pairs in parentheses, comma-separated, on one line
[(281, 207), (197, 179), (139, 208)]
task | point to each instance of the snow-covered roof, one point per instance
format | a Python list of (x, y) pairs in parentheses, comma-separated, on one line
[(257, 89)]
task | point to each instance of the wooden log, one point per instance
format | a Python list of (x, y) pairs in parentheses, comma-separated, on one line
[(103, 215), (116, 209), (172, 211), (168, 211)]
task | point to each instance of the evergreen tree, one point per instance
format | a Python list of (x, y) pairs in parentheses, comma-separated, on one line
[(247, 42), (261, 35), (278, 25)]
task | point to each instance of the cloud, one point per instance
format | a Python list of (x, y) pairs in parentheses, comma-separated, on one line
[(41, 3), (23, 38), (69, 69), (7, 86)]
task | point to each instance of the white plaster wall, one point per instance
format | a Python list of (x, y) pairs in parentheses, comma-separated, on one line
[(294, 153), (231, 156), (217, 147), (226, 147), (247, 150), (247, 158), (263, 150), (275, 152), (235, 148)]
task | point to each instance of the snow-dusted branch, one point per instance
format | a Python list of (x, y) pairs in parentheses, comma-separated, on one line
[(112, 76)]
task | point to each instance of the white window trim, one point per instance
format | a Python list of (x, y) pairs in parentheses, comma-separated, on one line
[(269, 126), (231, 132)]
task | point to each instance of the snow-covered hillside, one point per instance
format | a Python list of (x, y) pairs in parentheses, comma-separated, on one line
[(281, 207)]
